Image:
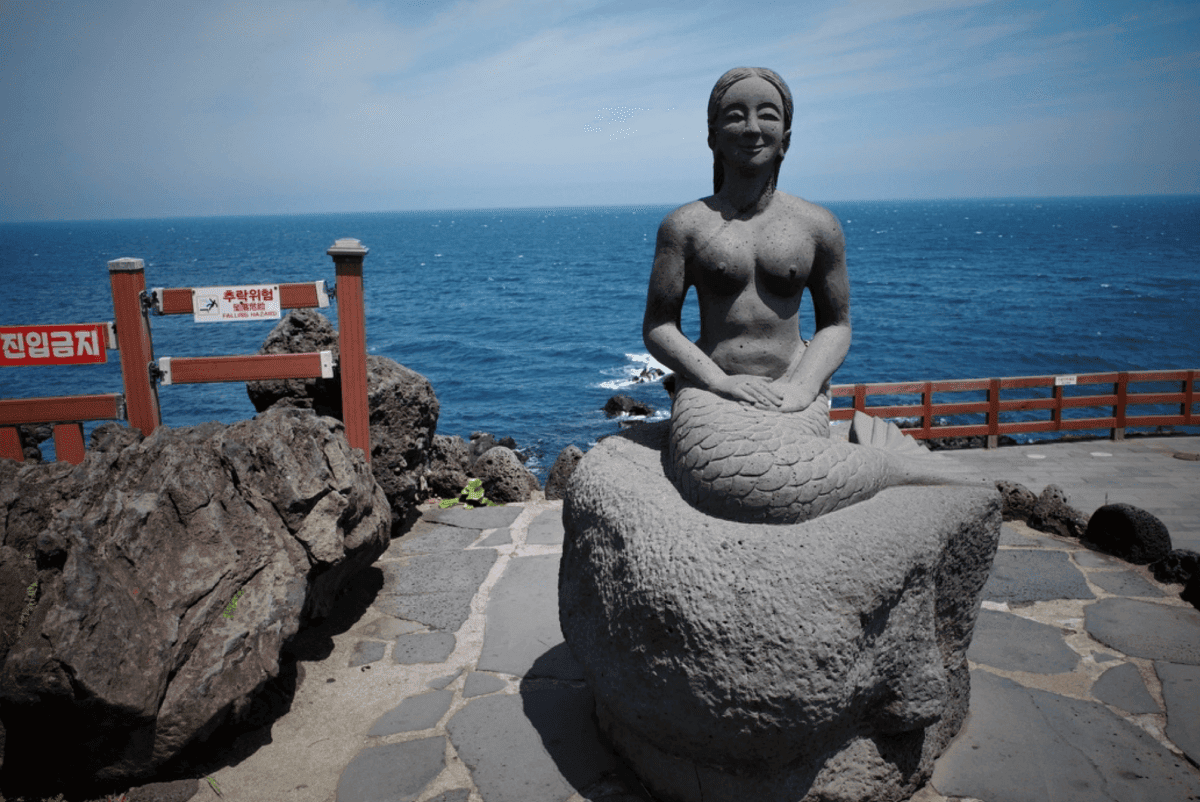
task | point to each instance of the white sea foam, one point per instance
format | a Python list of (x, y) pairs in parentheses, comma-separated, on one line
[(630, 374)]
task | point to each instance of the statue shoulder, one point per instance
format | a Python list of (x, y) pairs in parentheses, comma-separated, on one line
[(823, 223), (679, 225)]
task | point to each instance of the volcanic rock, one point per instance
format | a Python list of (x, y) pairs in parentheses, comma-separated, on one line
[(560, 473), (624, 405), (505, 479), (1053, 513), (449, 462), (403, 409), (1017, 501), (171, 571), (1128, 532)]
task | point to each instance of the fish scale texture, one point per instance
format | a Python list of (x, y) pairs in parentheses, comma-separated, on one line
[(741, 463)]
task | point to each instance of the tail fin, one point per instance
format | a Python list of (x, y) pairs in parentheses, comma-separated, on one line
[(909, 462)]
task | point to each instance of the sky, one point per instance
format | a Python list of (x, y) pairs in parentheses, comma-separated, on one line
[(145, 108)]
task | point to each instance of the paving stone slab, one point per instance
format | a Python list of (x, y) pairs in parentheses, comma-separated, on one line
[(442, 682), (367, 651), (1011, 536), (457, 795), (477, 684), (1126, 583), (435, 589), (538, 746), (476, 518), (1012, 643), (522, 623), (1027, 745), (1027, 576), (392, 772), (1181, 694), (428, 538), (388, 628), (432, 647), (1094, 559), (1146, 629), (501, 537), (546, 529), (415, 713), (1121, 686)]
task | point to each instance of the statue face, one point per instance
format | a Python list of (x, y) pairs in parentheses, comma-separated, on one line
[(749, 129)]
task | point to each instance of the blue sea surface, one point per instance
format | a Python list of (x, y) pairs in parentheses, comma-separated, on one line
[(526, 321)]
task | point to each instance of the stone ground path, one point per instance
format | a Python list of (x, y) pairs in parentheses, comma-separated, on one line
[(445, 678)]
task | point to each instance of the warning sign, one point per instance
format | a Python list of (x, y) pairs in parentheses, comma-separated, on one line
[(225, 304), (73, 344)]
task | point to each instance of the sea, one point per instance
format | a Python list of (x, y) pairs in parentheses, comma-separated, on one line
[(526, 321)]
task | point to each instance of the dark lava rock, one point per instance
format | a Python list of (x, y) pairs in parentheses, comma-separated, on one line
[(171, 571), (1128, 532), (1052, 513), (624, 405), (560, 474), (1018, 501)]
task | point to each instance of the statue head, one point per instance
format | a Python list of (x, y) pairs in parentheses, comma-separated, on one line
[(714, 107)]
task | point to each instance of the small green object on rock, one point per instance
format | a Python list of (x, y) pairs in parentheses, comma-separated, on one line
[(471, 496)]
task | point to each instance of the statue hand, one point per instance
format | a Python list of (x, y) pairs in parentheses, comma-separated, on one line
[(794, 398), (757, 391)]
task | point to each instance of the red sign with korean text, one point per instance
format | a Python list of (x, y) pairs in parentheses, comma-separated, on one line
[(73, 344)]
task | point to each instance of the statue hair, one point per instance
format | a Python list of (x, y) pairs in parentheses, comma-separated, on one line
[(714, 107)]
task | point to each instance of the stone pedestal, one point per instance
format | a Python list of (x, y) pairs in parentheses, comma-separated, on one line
[(732, 661)]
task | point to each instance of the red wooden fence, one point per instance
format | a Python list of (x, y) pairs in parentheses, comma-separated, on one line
[(140, 404), (1116, 402)]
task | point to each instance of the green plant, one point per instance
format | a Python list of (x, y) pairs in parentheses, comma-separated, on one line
[(216, 788), (471, 496)]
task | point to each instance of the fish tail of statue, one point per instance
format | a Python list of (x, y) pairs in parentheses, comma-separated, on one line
[(908, 462), (739, 463)]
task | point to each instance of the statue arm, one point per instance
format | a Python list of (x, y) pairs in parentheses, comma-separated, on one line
[(665, 339), (830, 289)]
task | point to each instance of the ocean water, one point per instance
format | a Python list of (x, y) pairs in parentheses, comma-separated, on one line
[(527, 321)]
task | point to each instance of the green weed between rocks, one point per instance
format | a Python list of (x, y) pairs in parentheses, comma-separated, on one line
[(471, 496)]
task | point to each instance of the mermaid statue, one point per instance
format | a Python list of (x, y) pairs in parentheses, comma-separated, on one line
[(749, 432)]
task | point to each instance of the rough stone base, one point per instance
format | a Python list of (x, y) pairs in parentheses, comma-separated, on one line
[(730, 661)]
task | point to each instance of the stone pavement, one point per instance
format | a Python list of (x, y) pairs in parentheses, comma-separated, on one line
[(450, 681)]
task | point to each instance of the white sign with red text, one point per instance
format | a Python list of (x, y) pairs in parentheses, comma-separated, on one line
[(225, 304)]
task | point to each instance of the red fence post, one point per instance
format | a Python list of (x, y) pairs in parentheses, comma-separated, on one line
[(927, 412), (128, 278), (68, 442), (348, 257), (1188, 396), (1121, 389), (993, 415), (10, 444), (860, 397)]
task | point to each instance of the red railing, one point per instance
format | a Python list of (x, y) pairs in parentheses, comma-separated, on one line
[(140, 404), (46, 345), (1116, 402)]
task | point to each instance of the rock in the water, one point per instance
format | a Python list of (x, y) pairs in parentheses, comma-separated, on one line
[(482, 442), (449, 461), (300, 331), (560, 474), (1128, 532), (171, 570), (822, 660), (402, 407), (505, 479), (1017, 499), (1053, 513), (624, 405)]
